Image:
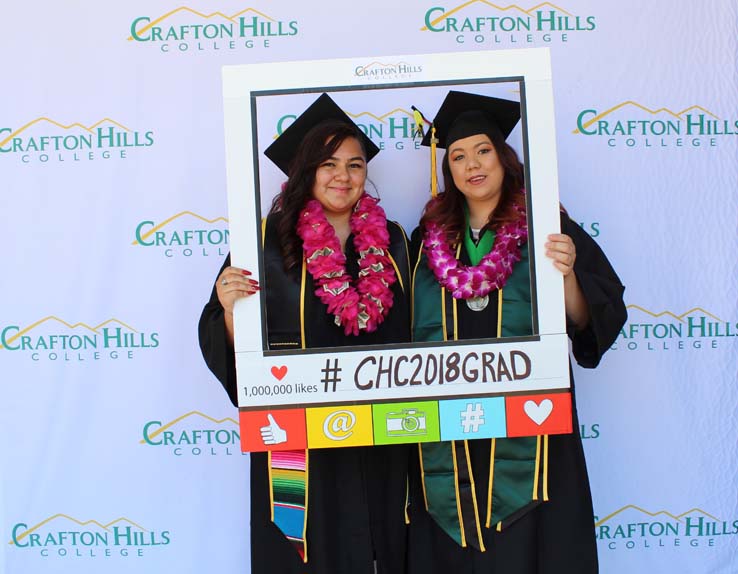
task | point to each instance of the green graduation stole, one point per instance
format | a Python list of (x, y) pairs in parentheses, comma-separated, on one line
[(518, 467)]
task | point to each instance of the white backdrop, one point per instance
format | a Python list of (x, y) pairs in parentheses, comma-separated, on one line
[(120, 450)]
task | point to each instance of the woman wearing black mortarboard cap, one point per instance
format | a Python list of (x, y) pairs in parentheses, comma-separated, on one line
[(335, 274), (517, 505)]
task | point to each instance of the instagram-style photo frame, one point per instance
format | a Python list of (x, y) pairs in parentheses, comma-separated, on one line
[(395, 393)]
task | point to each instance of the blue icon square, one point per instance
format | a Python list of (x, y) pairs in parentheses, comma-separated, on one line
[(472, 418)]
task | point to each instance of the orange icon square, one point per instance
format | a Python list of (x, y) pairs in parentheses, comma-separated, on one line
[(278, 429)]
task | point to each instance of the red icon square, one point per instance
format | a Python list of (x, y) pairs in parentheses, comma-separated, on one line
[(531, 415), (278, 429)]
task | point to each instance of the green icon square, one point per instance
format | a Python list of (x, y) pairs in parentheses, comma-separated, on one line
[(397, 423)]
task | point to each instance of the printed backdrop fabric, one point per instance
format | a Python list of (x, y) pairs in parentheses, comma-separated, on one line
[(120, 451)]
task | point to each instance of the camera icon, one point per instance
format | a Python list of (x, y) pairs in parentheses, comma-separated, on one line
[(407, 422)]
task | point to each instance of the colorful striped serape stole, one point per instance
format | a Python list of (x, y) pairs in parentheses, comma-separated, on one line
[(288, 472)]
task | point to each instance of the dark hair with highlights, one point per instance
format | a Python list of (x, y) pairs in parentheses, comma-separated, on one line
[(319, 144), (447, 210)]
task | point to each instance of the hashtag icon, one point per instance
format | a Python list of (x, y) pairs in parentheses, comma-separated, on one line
[(331, 374), (472, 418)]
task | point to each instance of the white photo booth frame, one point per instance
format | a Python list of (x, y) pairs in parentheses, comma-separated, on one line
[(305, 378)]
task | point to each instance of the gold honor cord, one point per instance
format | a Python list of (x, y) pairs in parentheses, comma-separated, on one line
[(545, 468), (538, 467), (458, 495), (491, 481), (443, 314), (434, 174), (407, 498), (307, 452), (474, 496), (453, 301), (422, 475), (397, 271), (494, 441), (302, 303)]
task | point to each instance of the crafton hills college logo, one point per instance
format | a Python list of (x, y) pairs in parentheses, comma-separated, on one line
[(394, 128), (387, 71), (185, 234), (483, 22), (45, 140), (630, 124), (62, 535), (195, 434), (633, 527), (56, 340), (185, 29), (694, 329)]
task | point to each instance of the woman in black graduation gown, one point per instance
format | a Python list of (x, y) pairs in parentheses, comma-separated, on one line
[(539, 518), (357, 496)]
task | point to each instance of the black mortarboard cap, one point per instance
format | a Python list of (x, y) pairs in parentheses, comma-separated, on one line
[(324, 108), (462, 115)]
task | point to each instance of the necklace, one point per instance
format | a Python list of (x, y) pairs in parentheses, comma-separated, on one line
[(474, 283), (359, 307)]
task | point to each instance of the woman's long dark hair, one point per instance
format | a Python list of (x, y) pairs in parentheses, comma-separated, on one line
[(319, 144), (447, 210)]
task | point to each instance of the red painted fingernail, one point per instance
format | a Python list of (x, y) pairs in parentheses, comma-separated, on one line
[(245, 272)]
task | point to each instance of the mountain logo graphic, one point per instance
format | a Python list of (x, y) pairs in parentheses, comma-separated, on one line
[(46, 135), (482, 16), (184, 24), (62, 534)]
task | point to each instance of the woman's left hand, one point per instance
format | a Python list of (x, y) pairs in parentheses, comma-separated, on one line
[(560, 249)]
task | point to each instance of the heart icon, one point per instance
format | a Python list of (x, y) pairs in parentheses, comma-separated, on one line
[(538, 413), (279, 372)]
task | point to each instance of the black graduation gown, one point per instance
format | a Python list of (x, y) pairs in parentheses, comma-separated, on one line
[(357, 496), (554, 537)]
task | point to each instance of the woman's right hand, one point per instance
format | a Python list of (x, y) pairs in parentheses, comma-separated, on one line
[(232, 284)]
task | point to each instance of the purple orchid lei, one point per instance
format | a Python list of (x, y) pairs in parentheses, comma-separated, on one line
[(492, 272)]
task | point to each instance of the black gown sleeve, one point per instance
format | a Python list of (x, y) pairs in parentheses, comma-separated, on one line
[(603, 292), (216, 350)]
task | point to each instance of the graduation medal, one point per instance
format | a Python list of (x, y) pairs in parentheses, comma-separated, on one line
[(474, 283), (477, 303)]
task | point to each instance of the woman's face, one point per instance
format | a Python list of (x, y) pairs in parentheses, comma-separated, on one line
[(476, 169), (339, 180)]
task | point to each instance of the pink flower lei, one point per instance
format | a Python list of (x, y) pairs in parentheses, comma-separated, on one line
[(492, 272), (359, 307)]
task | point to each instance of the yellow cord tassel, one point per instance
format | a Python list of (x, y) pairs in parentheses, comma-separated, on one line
[(434, 174)]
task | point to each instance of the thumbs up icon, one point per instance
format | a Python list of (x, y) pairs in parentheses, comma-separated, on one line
[(273, 433)]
